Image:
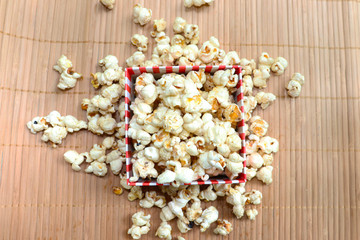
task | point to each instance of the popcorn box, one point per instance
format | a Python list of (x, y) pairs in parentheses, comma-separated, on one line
[(132, 73)]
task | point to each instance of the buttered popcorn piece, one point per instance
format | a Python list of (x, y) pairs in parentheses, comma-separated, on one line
[(109, 4), (279, 66), (208, 194), (191, 33), (68, 77), (72, 124), (141, 225), (295, 84), (183, 226), (252, 213), (140, 41), (268, 159), (145, 88), (250, 173), (194, 212), (209, 50), (37, 124), (208, 216), (260, 77), (143, 168), (231, 58), (164, 231), (75, 159), (265, 99), (226, 78), (238, 211), (135, 193), (196, 3), (173, 122), (159, 26), (234, 164), (112, 73), (141, 15), (254, 197), (268, 145), (224, 227), (136, 60), (248, 85), (97, 168), (149, 200), (55, 135), (265, 60), (247, 66), (218, 97), (166, 214), (179, 25), (137, 231), (265, 174), (258, 126)]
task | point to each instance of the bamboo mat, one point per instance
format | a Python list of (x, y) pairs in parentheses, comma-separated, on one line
[(316, 189)]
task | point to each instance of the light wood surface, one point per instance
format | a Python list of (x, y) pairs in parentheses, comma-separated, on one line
[(316, 189)]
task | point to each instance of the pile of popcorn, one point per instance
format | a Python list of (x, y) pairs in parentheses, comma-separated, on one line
[(183, 126)]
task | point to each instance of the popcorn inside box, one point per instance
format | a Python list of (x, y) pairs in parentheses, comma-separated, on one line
[(184, 125)]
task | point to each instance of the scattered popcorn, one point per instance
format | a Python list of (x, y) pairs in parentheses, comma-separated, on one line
[(265, 61), (37, 124), (159, 26), (250, 173), (208, 194), (68, 77), (268, 159), (251, 213), (265, 99), (75, 159), (166, 214), (294, 85), (254, 160), (135, 193), (140, 41), (149, 200), (269, 145), (73, 125), (224, 227), (109, 4), (254, 197), (260, 77), (141, 15), (208, 216), (117, 190), (265, 174), (97, 168), (279, 66), (164, 231), (55, 135), (258, 126), (248, 66), (116, 159), (238, 211), (194, 212), (231, 58), (141, 225), (179, 25), (196, 3), (222, 189), (136, 60), (183, 226)]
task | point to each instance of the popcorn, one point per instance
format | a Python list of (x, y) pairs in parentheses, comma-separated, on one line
[(193, 103), (179, 40), (180, 238), (136, 231), (260, 77), (211, 159), (179, 25), (123, 182), (196, 3), (247, 66), (250, 173), (141, 225), (249, 104), (183, 226), (234, 142), (231, 58), (107, 123), (226, 78), (208, 194), (152, 153), (167, 176), (73, 125), (238, 211), (163, 44), (164, 231), (279, 66), (97, 152), (208, 216), (191, 52), (258, 126), (159, 26), (191, 33), (247, 85), (115, 158), (235, 197), (102, 105), (194, 212), (223, 227), (112, 92), (160, 201), (97, 168), (251, 213), (74, 158), (37, 124), (112, 72), (195, 146), (177, 204), (232, 113), (135, 193), (93, 125), (68, 77), (140, 41), (117, 190), (198, 77), (223, 149), (218, 97), (268, 145), (173, 122), (55, 135), (265, 99), (142, 138), (254, 160), (209, 50), (145, 88), (136, 60), (265, 174), (268, 159), (252, 143), (149, 200), (175, 52), (222, 189), (265, 60), (294, 85), (55, 119), (166, 214), (141, 15), (192, 122), (254, 197), (234, 164), (216, 135), (143, 168), (109, 4)]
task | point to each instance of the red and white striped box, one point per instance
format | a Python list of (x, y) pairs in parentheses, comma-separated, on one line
[(132, 73)]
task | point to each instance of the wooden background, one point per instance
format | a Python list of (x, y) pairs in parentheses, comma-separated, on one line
[(316, 188)]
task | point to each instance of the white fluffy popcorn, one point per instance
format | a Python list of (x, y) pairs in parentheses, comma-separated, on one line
[(247, 85), (141, 225), (135, 193), (218, 97), (254, 160), (182, 226), (194, 212), (145, 88), (268, 159), (234, 164), (265, 99), (268, 145), (141, 15), (234, 142), (250, 173), (260, 77), (149, 200), (136, 60), (74, 158), (140, 41), (208, 194), (68, 77), (226, 78), (179, 25), (247, 66), (97, 168), (295, 84), (209, 50), (55, 135), (232, 113), (143, 168), (208, 216), (167, 176), (238, 211), (112, 72), (173, 122), (251, 213), (224, 227), (254, 197), (265, 60), (164, 231), (279, 66), (265, 174), (166, 214), (258, 126), (116, 159), (231, 58), (72, 124), (109, 4), (159, 26), (196, 3)]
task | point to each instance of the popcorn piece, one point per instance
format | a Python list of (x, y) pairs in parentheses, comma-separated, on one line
[(209, 50), (268, 159), (149, 200), (254, 197), (231, 58), (252, 144), (140, 41), (167, 176), (218, 97), (192, 122), (55, 119), (250, 173), (268, 145), (226, 78), (37, 124), (136, 231), (265, 174), (68, 77), (173, 122), (183, 226), (234, 164), (216, 135), (123, 182), (74, 158), (102, 104), (222, 189), (141, 15), (198, 77), (208, 216), (223, 149), (248, 66), (234, 142), (117, 190), (179, 25), (193, 103), (194, 212), (159, 26), (141, 138), (279, 66), (152, 153), (141, 225), (238, 211), (248, 85), (265, 99), (116, 160), (265, 60), (109, 4), (163, 45), (112, 72), (166, 214), (258, 126), (251, 213), (93, 125), (145, 88), (208, 194), (143, 168), (211, 159), (232, 113), (135, 193), (55, 135), (136, 60), (294, 85), (191, 52), (196, 3), (164, 231), (235, 197), (109, 142), (107, 123), (223, 227), (260, 77), (97, 168), (254, 160), (73, 125), (250, 104)]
